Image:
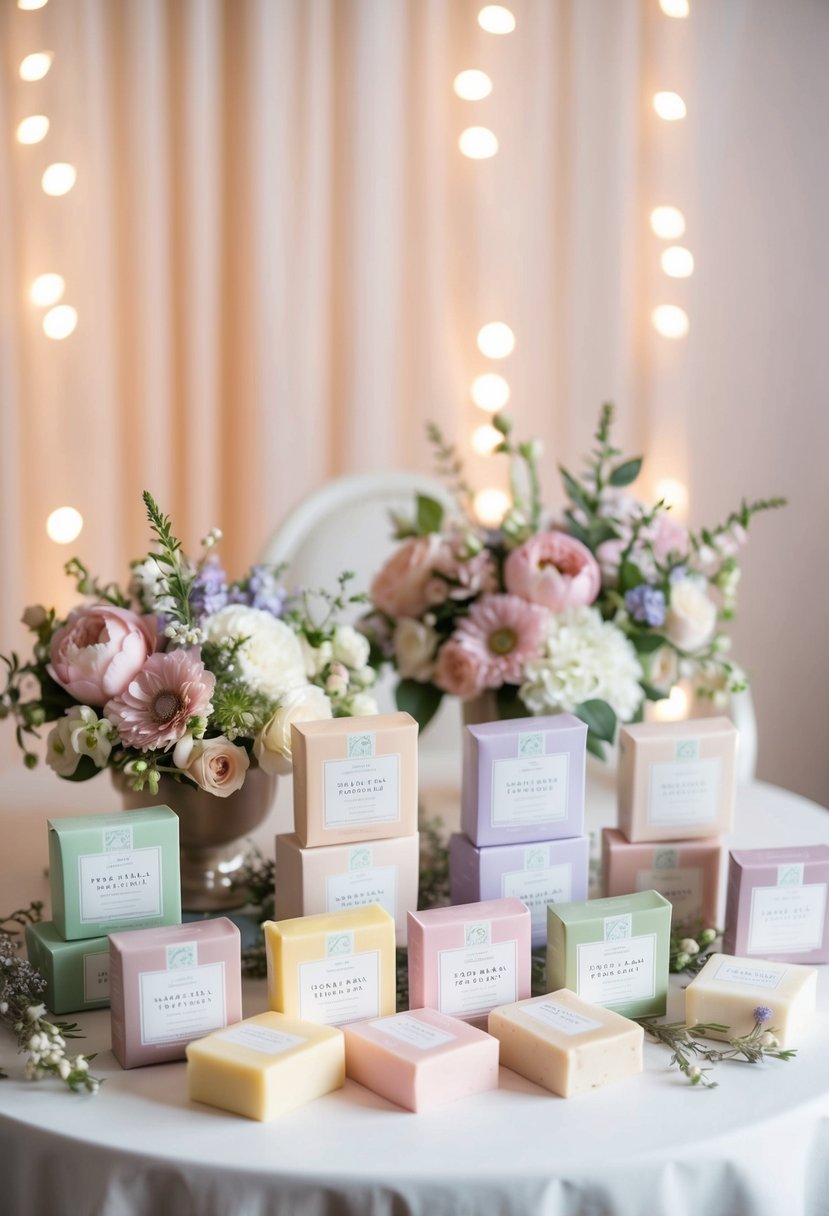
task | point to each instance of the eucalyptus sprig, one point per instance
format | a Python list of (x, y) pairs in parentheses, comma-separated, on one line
[(178, 576), (690, 1044), (741, 518)]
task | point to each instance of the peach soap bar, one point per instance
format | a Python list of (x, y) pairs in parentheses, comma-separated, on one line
[(354, 779), (777, 906), (466, 959), (686, 872), (676, 779), (421, 1059), (729, 989), (266, 1065), (565, 1044), (338, 877), (170, 986), (332, 968)]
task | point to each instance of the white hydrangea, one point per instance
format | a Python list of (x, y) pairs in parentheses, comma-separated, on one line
[(586, 657), (350, 647), (270, 659)]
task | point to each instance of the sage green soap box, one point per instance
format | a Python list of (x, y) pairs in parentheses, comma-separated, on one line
[(76, 973), (111, 872), (612, 952)]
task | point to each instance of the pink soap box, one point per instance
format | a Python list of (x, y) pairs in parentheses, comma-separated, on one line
[(777, 905)]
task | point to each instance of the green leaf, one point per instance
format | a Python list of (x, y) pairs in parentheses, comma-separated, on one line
[(575, 491), (86, 768), (418, 699), (647, 643), (600, 718), (600, 532), (630, 576), (594, 746), (576, 529), (625, 473), (429, 515), (652, 693)]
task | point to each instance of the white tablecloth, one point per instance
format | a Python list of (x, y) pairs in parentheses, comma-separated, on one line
[(756, 1146)]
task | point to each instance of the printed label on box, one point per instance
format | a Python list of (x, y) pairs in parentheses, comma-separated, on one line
[(684, 794), (790, 874), (473, 980), (785, 920), (340, 989), (117, 838), (96, 977), (568, 1021), (118, 887), (411, 1030), (261, 1038), (615, 972), (682, 888), (182, 1004), (378, 884), (531, 789), (537, 888), (748, 975), (183, 954), (361, 790)]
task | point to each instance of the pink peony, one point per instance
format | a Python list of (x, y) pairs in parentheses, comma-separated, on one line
[(555, 570), (502, 633), (99, 650), (154, 710), (401, 587), (459, 670), (218, 766), (668, 536)]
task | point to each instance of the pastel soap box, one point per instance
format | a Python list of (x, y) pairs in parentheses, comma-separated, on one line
[(777, 906), (728, 991), (421, 1059), (676, 780), (172, 985), (354, 779), (111, 872), (686, 872), (523, 780), (76, 972)]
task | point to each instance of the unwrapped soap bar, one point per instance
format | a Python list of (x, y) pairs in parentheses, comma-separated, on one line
[(728, 990), (777, 906), (686, 872), (332, 968), (266, 1065), (565, 1044), (76, 973), (421, 1059)]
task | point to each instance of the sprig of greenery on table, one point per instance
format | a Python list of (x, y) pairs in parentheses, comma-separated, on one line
[(689, 1045), (23, 1012), (691, 950)]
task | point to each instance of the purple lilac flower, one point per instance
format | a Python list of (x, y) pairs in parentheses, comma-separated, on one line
[(209, 591), (646, 604), (763, 1014), (678, 574), (265, 590)]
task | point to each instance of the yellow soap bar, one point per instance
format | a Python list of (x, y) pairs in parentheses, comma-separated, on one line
[(333, 968), (266, 1065), (728, 990)]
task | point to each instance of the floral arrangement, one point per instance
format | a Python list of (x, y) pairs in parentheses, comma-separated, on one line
[(184, 674), (592, 610)]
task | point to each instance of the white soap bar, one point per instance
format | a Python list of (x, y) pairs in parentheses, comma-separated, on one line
[(266, 1065), (566, 1044), (729, 989)]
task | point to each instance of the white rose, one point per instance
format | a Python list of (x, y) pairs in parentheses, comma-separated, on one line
[(692, 615), (273, 743), (350, 647), (60, 754), (363, 705), (414, 649), (218, 766), (270, 659)]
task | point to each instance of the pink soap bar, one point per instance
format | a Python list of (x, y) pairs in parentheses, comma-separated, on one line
[(686, 872), (421, 1059), (171, 985), (777, 905), (469, 958)]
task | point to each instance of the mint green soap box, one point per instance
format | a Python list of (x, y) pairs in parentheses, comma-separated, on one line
[(76, 973), (613, 952), (113, 872)]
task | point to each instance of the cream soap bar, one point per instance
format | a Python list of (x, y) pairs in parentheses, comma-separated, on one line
[(338, 877), (421, 1059), (111, 872), (777, 906), (354, 779), (729, 989), (170, 986), (546, 872), (676, 779), (523, 780), (612, 952), (565, 1044), (266, 1065), (466, 959), (76, 973), (686, 872), (333, 968)]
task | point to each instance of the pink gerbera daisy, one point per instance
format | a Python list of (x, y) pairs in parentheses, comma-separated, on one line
[(504, 632), (156, 706)]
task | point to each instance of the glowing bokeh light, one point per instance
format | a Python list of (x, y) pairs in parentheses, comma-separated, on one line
[(35, 66), (32, 129), (485, 439), (47, 289), (677, 262), (496, 19), (472, 85), (59, 179), (496, 340), (490, 392), (669, 106), (674, 494), (670, 321), (64, 525), (478, 143), (675, 8), (60, 322), (491, 506), (667, 222)]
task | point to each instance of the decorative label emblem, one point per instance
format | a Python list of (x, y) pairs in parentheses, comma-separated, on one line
[(618, 928), (535, 858), (665, 859), (358, 746), (337, 944), (183, 954), (531, 744), (117, 839), (790, 875), (686, 750), (479, 934), (359, 858)]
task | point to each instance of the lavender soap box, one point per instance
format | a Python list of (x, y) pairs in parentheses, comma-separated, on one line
[(777, 906), (523, 780)]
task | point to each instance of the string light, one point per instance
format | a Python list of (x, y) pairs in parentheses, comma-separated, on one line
[(670, 321), (30, 5), (47, 289), (677, 262), (32, 129), (490, 392), (669, 106), (472, 85), (64, 525), (675, 8), (478, 143), (60, 322), (673, 708), (59, 179), (496, 340), (35, 66), (496, 19), (485, 439), (491, 506), (674, 494), (667, 222)]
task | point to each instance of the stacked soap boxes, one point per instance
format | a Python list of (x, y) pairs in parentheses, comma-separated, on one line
[(522, 815), (355, 839), (107, 873), (676, 796)]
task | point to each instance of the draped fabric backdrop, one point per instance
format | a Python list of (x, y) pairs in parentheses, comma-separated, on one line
[(280, 262)]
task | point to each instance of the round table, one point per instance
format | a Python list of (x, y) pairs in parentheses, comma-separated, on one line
[(756, 1146)]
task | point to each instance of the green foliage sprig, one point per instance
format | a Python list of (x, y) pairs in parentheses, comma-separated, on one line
[(689, 1044)]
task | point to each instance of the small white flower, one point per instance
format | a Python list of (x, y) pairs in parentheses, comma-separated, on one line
[(81, 1064), (60, 754), (694, 1071), (415, 645), (35, 1012), (692, 615), (64, 1068), (90, 735), (366, 677), (350, 647), (363, 705), (4, 1007), (768, 1040), (689, 945)]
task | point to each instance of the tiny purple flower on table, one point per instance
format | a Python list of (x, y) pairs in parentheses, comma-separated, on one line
[(154, 711), (763, 1014), (646, 605)]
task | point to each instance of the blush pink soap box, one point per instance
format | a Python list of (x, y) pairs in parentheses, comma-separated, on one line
[(776, 906), (685, 872)]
